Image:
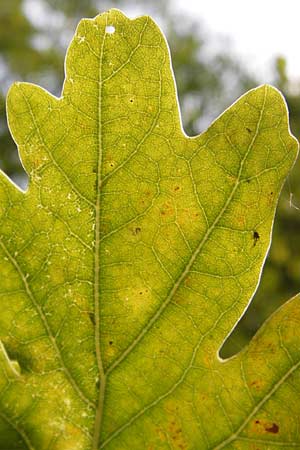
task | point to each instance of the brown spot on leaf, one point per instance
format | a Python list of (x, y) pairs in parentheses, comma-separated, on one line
[(271, 346), (136, 231), (92, 317), (161, 434), (257, 384), (167, 209), (262, 426), (187, 281), (274, 428), (175, 432), (178, 299), (255, 238), (144, 292)]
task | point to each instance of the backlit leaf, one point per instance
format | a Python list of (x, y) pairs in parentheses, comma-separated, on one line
[(133, 254)]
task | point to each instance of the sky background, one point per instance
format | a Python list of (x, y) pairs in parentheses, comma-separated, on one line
[(259, 30)]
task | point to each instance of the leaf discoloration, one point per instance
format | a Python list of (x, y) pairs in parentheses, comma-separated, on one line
[(131, 257)]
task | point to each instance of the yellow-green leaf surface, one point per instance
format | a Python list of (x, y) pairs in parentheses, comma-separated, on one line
[(133, 254)]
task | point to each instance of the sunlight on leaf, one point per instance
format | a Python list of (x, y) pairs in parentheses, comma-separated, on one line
[(133, 254)]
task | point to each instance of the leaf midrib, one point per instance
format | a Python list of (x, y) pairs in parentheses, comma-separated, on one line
[(97, 268)]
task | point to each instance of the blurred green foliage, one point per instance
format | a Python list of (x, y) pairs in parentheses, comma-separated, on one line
[(281, 275), (34, 35)]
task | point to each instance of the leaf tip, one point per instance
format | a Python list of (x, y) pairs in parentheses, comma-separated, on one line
[(275, 94)]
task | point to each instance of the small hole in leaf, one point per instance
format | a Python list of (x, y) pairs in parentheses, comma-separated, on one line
[(110, 29), (110, 342)]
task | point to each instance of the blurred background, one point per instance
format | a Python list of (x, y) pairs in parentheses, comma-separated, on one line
[(211, 72)]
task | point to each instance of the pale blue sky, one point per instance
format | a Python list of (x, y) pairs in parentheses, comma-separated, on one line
[(259, 30)]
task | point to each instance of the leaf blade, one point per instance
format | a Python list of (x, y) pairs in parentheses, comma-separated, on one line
[(137, 275)]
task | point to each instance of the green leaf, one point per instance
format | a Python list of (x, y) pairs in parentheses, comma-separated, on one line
[(133, 254)]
